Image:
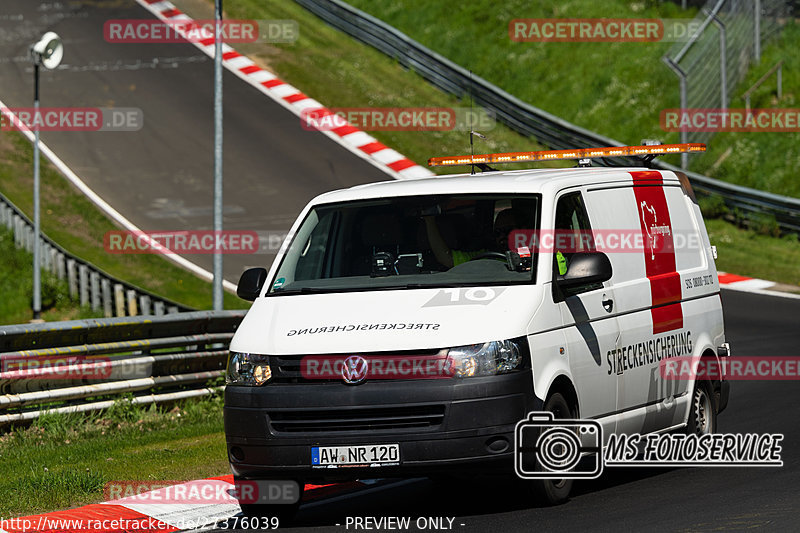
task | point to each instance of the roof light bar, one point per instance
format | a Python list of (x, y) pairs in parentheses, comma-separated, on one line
[(553, 155)]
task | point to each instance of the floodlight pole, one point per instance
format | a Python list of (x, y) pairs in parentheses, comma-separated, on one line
[(217, 281), (37, 279)]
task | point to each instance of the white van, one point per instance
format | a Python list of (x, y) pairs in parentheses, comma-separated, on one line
[(408, 326)]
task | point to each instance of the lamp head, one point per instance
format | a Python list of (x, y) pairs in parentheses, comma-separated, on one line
[(49, 51)]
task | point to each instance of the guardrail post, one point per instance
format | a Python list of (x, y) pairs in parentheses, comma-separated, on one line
[(94, 285), (4, 209), (105, 286), (72, 277), (47, 263), (119, 299), (144, 304), (27, 231), (83, 281), (52, 253), (158, 307), (172, 309), (132, 302), (61, 270), (17, 231)]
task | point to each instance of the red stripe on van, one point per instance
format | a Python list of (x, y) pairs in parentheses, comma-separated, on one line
[(659, 251)]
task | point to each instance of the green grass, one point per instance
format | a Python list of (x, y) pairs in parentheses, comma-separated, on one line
[(16, 286), (616, 89), (749, 253), (72, 221), (64, 461)]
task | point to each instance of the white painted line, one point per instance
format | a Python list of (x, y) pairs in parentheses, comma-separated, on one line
[(764, 292), (105, 206)]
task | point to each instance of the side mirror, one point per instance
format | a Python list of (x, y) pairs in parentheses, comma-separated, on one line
[(585, 269), (251, 283)]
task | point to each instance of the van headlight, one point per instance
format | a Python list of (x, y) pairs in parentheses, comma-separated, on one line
[(486, 359), (248, 369)]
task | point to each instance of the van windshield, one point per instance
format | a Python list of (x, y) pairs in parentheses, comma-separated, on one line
[(410, 242)]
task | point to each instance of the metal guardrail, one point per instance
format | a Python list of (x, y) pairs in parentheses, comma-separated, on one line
[(88, 283), (548, 129), (85, 365)]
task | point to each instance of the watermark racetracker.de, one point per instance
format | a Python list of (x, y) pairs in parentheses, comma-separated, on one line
[(133, 31), (603, 30), (181, 242), (71, 119), (786, 120), (399, 118)]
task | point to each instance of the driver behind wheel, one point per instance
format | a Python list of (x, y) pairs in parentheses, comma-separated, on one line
[(504, 224)]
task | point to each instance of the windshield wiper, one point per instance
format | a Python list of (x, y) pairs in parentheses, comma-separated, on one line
[(301, 290)]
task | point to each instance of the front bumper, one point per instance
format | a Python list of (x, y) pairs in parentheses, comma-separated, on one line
[(441, 425)]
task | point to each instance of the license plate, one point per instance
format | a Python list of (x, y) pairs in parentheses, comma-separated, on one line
[(365, 455)]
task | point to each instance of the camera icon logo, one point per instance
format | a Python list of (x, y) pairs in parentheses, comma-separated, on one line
[(545, 448)]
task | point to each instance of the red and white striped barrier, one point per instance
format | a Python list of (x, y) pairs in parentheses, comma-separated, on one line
[(157, 511), (358, 142)]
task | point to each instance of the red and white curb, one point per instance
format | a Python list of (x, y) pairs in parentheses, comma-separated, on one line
[(139, 513), (733, 281), (753, 285), (356, 141)]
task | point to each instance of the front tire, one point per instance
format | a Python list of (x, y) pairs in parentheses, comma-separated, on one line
[(554, 491)]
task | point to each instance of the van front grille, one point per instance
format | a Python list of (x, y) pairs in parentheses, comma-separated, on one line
[(288, 369), (359, 419)]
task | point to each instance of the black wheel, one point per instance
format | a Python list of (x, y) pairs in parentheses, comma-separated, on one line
[(703, 412), (553, 491)]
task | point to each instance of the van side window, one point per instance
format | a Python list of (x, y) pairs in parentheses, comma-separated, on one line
[(573, 235)]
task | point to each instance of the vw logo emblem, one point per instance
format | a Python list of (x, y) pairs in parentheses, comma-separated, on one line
[(354, 370)]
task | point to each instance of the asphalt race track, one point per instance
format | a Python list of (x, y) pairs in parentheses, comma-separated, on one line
[(161, 177), (640, 499)]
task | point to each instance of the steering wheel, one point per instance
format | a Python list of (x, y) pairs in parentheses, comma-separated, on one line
[(490, 255)]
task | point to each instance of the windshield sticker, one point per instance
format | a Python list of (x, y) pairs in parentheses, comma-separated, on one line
[(278, 283), (363, 327)]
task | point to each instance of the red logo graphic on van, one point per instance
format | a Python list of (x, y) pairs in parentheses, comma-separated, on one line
[(665, 282), (652, 228)]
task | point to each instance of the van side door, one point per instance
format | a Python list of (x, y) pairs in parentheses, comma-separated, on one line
[(587, 313), (648, 290)]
